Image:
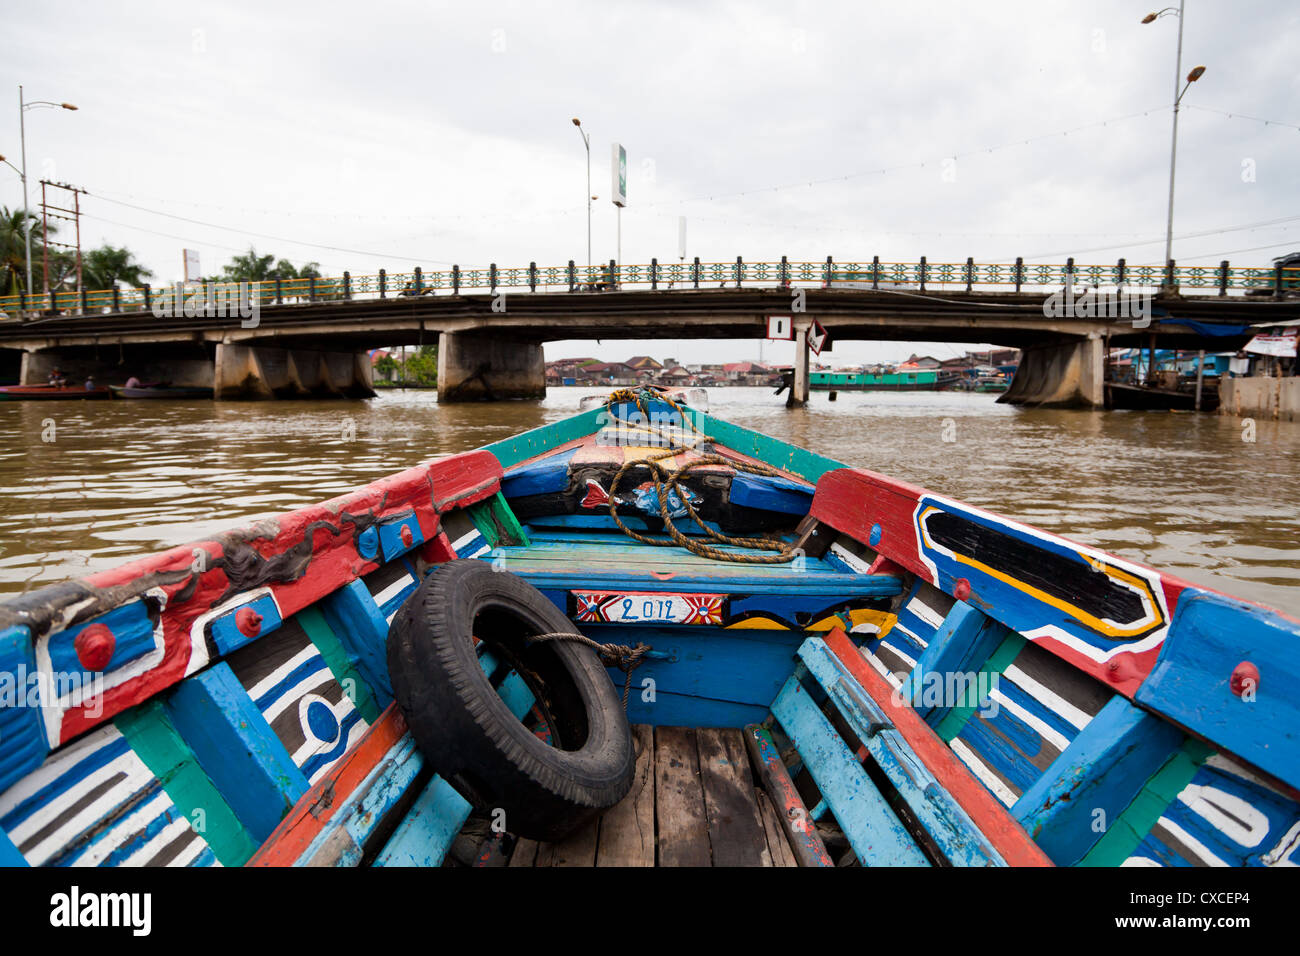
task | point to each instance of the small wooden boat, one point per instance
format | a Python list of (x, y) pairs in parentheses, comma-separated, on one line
[(645, 620), (45, 393), (160, 391)]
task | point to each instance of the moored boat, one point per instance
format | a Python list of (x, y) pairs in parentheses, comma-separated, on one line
[(795, 662), (31, 393), (160, 391)]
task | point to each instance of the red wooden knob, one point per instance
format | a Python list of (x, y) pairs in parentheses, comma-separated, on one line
[(406, 535), (248, 621), (961, 590), (94, 647), (1245, 676), (1122, 668)]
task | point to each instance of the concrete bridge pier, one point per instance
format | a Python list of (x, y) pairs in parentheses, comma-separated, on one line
[(255, 371), (475, 367), (800, 388), (1062, 375)]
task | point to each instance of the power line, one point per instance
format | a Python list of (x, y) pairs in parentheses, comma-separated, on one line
[(169, 235), (915, 165), (1257, 119), (263, 235), (1148, 242)]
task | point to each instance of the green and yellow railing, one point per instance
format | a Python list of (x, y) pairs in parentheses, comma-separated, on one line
[(874, 274)]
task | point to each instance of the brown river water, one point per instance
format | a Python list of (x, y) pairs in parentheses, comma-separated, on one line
[(1182, 492)]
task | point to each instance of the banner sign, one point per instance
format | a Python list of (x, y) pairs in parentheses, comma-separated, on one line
[(1282, 344), (618, 162)]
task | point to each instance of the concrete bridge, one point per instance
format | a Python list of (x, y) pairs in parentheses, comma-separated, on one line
[(310, 337)]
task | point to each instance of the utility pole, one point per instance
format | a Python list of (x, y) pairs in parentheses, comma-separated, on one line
[(586, 141), (1192, 77), (72, 215), (23, 107)]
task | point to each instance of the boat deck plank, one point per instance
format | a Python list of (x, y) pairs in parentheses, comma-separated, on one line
[(735, 824), (627, 831), (695, 802), (613, 552)]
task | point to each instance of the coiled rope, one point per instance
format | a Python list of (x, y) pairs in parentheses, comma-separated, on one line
[(667, 481)]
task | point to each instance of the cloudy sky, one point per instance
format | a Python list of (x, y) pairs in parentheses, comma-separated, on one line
[(392, 134)]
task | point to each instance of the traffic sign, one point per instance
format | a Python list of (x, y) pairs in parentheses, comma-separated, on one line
[(780, 327), (819, 340)]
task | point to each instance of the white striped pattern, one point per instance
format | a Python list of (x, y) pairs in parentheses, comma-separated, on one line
[(1048, 698), (986, 776)]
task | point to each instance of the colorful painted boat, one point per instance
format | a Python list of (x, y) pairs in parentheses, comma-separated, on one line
[(160, 391), (914, 380), (45, 393), (903, 680)]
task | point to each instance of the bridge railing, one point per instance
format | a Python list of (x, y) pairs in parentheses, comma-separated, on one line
[(910, 277)]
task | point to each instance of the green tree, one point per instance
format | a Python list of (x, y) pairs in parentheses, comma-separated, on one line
[(386, 367), (59, 268), (250, 267), (13, 250), (107, 266), (422, 366)]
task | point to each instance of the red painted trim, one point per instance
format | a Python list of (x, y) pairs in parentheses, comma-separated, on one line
[(429, 490), (1002, 830), (287, 843), (787, 802), (853, 500)]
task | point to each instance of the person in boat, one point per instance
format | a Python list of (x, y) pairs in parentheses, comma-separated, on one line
[(56, 378), (132, 382), (90, 383)]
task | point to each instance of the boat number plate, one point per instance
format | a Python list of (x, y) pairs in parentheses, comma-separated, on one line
[(646, 607)]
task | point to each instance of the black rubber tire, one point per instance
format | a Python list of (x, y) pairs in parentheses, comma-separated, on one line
[(464, 728)]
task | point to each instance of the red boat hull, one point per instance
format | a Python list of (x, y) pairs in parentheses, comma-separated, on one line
[(51, 393)]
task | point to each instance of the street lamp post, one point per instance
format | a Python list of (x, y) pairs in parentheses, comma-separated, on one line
[(586, 141), (1192, 77), (23, 107)]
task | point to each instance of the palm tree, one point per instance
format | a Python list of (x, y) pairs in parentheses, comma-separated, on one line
[(105, 267), (62, 265), (250, 267), (13, 249)]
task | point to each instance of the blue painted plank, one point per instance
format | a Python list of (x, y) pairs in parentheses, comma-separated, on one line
[(427, 830), (390, 535), (960, 645), (603, 522), (830, 586), (9, 855), (23, 744), (957, 836), (771, 494), (1210, 636), (874, 832), (548, 475), (237, 748), (226, 633), (1104, 768), (744, 667), (133, 638), (425, 834), (678, 710), (341, 841), (357, 622)]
